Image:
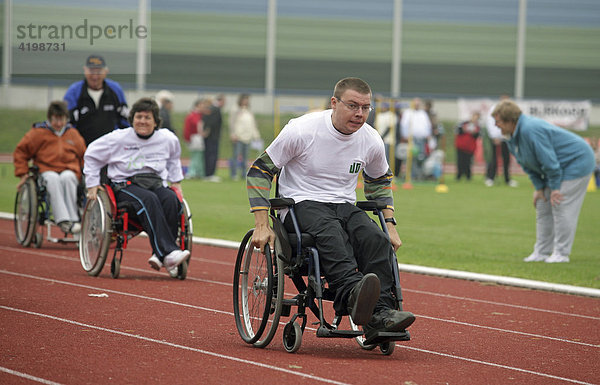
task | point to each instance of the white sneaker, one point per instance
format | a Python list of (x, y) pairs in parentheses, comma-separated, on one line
[(154, 262), (535, 257), (173, 272), (175, 257), (555, 258), (76, 228), (513, 183), (489, 182)]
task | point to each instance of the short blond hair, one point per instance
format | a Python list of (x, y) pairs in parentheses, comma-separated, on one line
[(508, 111)]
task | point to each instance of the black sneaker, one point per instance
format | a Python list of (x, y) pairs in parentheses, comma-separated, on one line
[(65, 226), (390, 320), (363, 298)]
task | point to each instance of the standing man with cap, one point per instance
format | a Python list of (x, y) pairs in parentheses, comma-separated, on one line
[(96, 104)]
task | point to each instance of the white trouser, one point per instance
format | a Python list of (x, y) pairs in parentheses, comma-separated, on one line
[(556, 226), (62, 193)]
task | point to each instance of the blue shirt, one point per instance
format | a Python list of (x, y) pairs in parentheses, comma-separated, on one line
[(550, 154)]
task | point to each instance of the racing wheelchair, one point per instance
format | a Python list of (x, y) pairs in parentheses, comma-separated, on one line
[(106, 221), (32, 209), (258, 288)]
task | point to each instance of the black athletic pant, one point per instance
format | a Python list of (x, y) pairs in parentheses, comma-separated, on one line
[(492, 167), (211, 154), (350, 244), (158, 212), (463, 164)]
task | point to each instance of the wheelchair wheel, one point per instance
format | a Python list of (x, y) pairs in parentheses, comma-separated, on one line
[(276, 303), (115, 268), (292, 337), (387, 348), (360, 340), (96, 230), (37, 240), (26, 212), (252, 290), (185, 235)]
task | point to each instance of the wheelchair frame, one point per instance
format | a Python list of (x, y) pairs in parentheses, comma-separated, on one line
[(32, 208), (105, 222), (258, 287)]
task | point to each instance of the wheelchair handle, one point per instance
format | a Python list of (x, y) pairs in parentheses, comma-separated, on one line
[(280, 203), (371, 205)]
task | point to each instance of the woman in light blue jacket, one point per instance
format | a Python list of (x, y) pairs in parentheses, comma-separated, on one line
[(559, 164)]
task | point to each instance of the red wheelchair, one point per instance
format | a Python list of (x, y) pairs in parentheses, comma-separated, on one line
[(106, 221)]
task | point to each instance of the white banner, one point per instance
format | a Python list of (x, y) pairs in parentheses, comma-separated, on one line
[(574, 115)]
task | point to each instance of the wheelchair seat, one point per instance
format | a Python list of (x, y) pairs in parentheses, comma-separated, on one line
[(106, 221), (259, 286)]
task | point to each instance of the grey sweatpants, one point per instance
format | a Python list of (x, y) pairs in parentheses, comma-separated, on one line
[(556, 225), (62, 192)]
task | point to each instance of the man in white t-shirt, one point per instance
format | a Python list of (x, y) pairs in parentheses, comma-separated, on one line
[(319, 157)]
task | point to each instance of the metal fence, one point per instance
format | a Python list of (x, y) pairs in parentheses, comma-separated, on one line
[(463, 48)]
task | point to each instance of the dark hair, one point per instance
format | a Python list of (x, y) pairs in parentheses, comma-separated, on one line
[(146, 105), (355, 84), (57, 108)]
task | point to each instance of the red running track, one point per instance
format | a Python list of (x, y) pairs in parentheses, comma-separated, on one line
[(58, 325)]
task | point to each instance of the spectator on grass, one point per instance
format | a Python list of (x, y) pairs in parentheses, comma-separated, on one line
[(559, 164), (320, 156), (385, 124), (465, 141), (497, 144), (416, 126), (96, 104), (213, 122), (165, 99), (57, 149), (242, 130), (193, 133), (141, 160)]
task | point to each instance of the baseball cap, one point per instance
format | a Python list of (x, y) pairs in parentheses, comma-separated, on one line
[(95, 61)]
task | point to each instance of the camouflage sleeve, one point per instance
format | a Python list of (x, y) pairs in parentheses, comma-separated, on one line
[(258, 182), (380, 189)]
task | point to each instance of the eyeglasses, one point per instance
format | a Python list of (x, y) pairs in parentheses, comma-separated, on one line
[(355, 107)]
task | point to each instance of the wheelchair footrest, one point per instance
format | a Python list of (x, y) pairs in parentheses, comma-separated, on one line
[(325, 332), (381, 337)]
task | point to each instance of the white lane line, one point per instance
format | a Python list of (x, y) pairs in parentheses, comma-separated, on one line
[(449, 296), (495, 365), (115, 292), (507, 331), (201, 351), (28, 376), (499, 303), (231, 314)]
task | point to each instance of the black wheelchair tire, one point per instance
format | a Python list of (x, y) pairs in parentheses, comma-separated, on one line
[(26, 213), (96, 232), (246, 288)]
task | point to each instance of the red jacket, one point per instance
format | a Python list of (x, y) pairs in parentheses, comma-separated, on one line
[(190, 125), (49, 151), (466, 135)]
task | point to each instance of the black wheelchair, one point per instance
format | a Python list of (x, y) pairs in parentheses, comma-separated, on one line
[(32, 209), (106, 221), (258, 288)]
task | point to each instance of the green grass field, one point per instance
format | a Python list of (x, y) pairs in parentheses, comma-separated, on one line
[(472, 227)]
